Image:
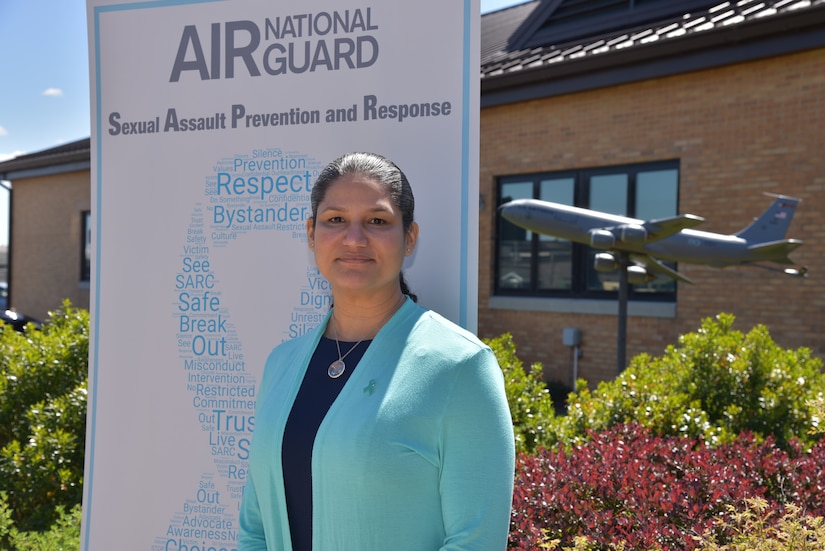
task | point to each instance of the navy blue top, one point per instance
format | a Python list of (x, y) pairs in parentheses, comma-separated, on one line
[(317, 393)]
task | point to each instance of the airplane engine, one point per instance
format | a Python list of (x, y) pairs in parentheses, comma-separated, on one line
[(637, 275), (633, 233), (602, 239), (605, 262)]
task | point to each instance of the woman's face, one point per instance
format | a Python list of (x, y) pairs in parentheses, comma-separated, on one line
[(358, 237)]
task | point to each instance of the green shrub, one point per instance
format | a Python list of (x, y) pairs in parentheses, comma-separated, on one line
[(63, 535), (43, 378), (817, 405), (752, 529), (531, 405), (715, 384), (757, 529)]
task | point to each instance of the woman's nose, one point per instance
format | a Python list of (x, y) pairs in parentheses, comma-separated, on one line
[(355, 235)]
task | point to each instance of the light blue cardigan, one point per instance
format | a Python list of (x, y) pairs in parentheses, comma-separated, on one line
[(416, 454)]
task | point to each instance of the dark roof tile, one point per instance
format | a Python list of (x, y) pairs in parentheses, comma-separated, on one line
[(73, 152), (498, 57)]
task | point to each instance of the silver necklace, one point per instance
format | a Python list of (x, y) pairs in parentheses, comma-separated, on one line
[(337, 368)]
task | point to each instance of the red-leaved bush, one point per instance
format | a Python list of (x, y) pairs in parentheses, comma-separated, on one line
[(651, 492)]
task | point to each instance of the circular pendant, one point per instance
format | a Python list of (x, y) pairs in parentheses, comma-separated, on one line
[(336, 369)]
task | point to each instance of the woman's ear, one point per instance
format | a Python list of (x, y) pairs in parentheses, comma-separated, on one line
[(411, 239), (311, 232)]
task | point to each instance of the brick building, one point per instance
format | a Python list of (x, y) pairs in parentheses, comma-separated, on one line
[(643, 106), (49, 214), (716, 103)]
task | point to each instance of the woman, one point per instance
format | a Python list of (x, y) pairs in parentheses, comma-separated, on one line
[(387, 428)]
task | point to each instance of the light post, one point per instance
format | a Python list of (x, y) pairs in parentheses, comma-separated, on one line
[(621, 334)]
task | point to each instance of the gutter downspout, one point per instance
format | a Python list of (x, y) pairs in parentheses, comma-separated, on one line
[(6, 184)]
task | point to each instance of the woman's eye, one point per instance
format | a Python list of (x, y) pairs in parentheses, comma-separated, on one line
[(378, 221)]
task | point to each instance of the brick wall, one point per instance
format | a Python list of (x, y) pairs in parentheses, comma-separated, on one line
[(46, 242), (738, 131)]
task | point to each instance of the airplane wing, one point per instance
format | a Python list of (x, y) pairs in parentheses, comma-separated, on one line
[(665, 227), (658, 267)]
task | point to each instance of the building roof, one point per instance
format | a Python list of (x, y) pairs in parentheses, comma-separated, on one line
[(497, 28), (550, 47), (63, 158)]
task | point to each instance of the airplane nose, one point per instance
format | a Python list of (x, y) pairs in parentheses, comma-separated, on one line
[(512, 213)]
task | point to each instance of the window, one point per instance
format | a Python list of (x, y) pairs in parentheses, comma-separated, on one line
[(530, 264), (86, 246)]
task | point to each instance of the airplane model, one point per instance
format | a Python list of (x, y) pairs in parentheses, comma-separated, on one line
[(647, 243)]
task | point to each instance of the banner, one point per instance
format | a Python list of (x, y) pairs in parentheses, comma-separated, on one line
[(210, 123)]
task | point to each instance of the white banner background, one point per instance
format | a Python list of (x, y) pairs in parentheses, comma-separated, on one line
[(186, 304)]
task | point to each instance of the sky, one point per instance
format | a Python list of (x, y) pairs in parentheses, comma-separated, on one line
[(44, 78)]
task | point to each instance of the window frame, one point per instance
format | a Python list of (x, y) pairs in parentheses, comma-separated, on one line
[(85, 246)]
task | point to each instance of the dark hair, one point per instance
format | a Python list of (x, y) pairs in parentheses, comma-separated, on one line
[(375, 167)]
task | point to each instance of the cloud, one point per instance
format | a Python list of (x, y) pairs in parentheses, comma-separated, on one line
[(53, 92), (3, 131)]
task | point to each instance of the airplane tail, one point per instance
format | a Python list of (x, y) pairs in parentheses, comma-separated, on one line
[(776, 251), (773, 224)]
